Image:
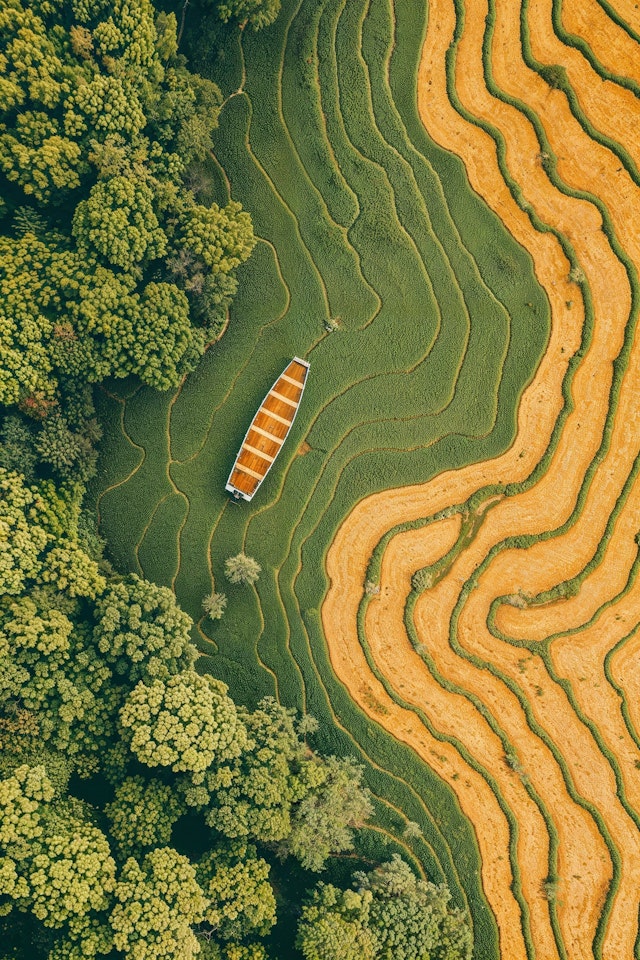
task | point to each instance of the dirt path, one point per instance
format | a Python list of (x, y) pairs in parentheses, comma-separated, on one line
[(573, 783)]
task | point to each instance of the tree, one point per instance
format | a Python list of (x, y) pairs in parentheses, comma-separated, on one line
[(142, 814), (257, 13), (241, 901), (54, 864), (157, 902), (186, 723), (48, 666), (335, 925), (253, 796), (321, 823), (141, 631), (118, 222), (222, 237), (214, 605), (22, 539), (39, 158), (411, 918), (17, 451), (242, 569)]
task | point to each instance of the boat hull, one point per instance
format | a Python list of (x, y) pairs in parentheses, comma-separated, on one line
[(268, 431)]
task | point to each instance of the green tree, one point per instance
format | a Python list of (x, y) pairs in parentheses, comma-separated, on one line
[(322, 822), (242, 569), (241, 901), (257, 13), (54, 864), (17, 452), (157, 903), (118, 222), (22, 538), (186, 723), (253, 796), (37, 156), (335, 925), (142, 814), (411, 918), (48, 665), (222, 237), (141, 631)]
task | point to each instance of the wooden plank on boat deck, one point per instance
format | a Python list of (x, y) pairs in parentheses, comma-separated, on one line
[(252, 473), (281, 396), (275, 416), (260, 453), (266, 434)]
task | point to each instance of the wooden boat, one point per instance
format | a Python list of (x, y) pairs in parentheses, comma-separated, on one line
[(268, 431)]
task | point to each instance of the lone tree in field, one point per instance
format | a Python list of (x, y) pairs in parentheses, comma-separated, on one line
[(213, 605), (242, 569)]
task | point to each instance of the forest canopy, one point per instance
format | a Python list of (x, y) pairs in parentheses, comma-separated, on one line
[(109, 265)]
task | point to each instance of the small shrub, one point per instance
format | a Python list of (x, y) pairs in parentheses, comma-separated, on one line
[(213, 605), (422, 579)]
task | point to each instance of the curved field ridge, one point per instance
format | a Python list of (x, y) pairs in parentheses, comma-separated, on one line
[(462, 433), (518, 644)]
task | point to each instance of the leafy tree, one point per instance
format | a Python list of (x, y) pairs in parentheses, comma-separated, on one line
[(17, 451), (118, 222), (321, 823), (411, 918), (157, 903), (186, 723), (58, 445), (29, 64), (141, 631), (142, 814), (222, 237), (22, 538), (253, 796), (49, 667), (39, 158), (257, 13), (54, 865), (242, 569), (241, 900), (102, 105), (335, 925), (214, 605)]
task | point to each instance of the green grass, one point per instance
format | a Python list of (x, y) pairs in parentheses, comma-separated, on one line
[(360, 216)]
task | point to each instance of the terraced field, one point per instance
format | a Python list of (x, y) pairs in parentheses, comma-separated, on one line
[(449, 538)]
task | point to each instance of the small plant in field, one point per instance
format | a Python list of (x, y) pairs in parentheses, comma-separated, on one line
[(371, 588), (422, 579), (576, 275), (412, 831), (555, 75), (550, 888), (213, 605), (242, 569)]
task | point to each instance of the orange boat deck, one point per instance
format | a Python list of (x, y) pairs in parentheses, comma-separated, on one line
[(268, 431)]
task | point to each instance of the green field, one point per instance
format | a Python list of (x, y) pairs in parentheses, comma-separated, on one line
[(365, 221)]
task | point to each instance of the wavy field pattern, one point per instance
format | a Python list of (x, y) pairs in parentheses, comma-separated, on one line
[(449, 538)]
